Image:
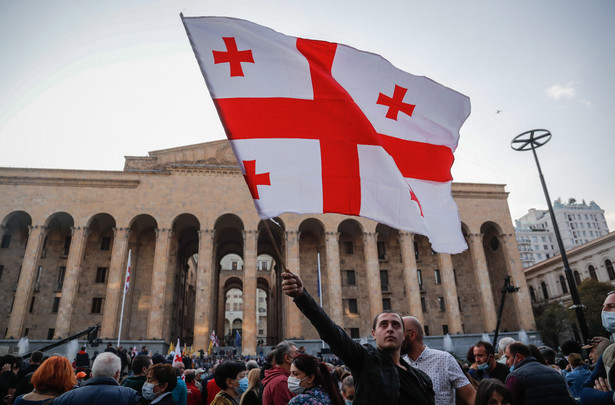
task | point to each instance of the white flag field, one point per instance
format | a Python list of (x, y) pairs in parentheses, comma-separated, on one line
[(319, 127)]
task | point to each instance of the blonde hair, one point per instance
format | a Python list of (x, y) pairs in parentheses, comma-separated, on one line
[(254, 377)]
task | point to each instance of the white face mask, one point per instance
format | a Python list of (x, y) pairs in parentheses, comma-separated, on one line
[(294, 385), (148, 391), (608, 321)]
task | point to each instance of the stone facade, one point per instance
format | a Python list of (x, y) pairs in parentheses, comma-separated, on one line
[(66, 235)]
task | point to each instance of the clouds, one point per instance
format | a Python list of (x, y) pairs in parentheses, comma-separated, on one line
[(558, 92)]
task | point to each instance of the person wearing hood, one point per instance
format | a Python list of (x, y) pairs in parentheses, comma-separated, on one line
[(600, 386), (275, 382)]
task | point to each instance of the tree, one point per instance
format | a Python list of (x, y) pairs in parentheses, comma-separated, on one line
[(552, 319), (592, 294)]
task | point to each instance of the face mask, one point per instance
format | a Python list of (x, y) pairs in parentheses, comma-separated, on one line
[(148, 391), (608, 321), (293, 385), (483, 367), (348, 402), (512, 368), (243, 385)]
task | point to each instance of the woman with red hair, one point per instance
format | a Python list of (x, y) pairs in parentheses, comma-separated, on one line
[(51, 379)]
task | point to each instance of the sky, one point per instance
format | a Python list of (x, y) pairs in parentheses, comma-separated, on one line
[(85, 83)]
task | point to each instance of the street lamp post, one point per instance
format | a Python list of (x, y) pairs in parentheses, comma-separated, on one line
[(531, 140)]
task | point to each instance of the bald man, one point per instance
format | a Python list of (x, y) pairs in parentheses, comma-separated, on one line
[(445, 373)]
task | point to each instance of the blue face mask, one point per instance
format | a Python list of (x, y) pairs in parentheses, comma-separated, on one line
[(608, 321), (512, 368), (348, 402), (243, 384)]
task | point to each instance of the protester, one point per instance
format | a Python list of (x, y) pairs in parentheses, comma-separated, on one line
[(505, 341), (82, 359), (51, 379), (275, 386), (595, 347), (486, 366), (227, 377), (250, 396), (492, 391), (103, 388), (180, 392), (140, 365), (381, 375), (449, 381), (194, 394), (81, 376), (35, 360), (531, 382), (8, 379), (576, 374), (160, 382), (348, 390), (312, 383)]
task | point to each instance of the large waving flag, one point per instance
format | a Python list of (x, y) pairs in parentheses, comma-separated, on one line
[(321, 127)]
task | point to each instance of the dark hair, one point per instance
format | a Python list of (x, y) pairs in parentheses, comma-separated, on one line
[(537, 354), (548, 354), (470, 355), (36, 357), (388, 311), (164, 373), (486, 389), (189, 376), (270, 357), (310, 365), (228, 369), (488, 346), (139, 362), (519, 348)]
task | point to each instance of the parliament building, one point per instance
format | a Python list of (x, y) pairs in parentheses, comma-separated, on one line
[(201, 259)]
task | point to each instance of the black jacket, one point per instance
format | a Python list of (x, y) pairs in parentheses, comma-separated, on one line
[(376, 378), (540, 384)]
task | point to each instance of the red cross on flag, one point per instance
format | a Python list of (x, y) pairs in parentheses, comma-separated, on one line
[(319, 127)]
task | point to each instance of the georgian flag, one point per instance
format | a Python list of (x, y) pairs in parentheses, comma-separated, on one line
[(321, 127)]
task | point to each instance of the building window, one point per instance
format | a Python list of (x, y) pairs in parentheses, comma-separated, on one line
[(437, 276), (233, 265), (562, 282), (532, 294), (97, 305), (426, 329), (50, 333), (416, 251), (441, 304), (577, 277), (61, 273), (545, 293), (56, 305), (26, 332), (592, 272), (1, 270), (348, 248), (445, 329), (381, 250), (354, 333), (386, 304), (6, 241), (351, 306), (423, 304), (105, 243), (32, 304), (609, 269), (101, 274), (350, 277), (384, 280), (67, 241), (419, 275)]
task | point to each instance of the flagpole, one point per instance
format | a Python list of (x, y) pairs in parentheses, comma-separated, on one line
[(119, 332), (320, 292), (275, 246)]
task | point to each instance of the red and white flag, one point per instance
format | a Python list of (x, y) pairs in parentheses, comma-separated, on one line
[(320, 127), (214, 339), (177, 358), (127, 282)]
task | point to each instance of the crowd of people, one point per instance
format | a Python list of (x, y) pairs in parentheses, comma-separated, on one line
[(399, 369)]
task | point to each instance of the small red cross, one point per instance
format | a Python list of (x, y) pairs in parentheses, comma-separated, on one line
[(253, 179), (396, 103), (233, 57)]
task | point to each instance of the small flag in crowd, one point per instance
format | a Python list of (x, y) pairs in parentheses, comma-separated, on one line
[(127, 283), (178, 354), (237, 338)]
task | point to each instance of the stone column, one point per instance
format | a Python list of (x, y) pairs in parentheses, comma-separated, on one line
[(334, 291), (293, 315), (484, 282), (117, 269), (71, 281), (159, 283), (522, 299), (450, 293), (248, 340), (26, 277), (205, 294), (411, 279), (373, 273)]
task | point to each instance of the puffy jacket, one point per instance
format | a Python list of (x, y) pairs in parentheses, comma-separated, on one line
[(376, 378), (540, 384), (275, 383), (99, 391)]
